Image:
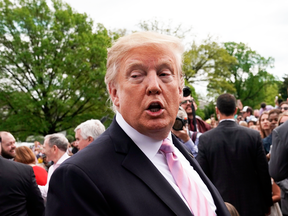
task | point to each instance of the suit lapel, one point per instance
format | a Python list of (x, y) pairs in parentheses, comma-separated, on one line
[(137, 163)]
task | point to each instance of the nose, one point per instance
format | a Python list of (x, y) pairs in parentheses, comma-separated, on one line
[(153, 83)]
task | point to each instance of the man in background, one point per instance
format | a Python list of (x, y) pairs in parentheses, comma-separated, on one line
[(233, 158), (55, 149), (87, 132), (194, 125), (19, 194), (8, 145), (247, 113)]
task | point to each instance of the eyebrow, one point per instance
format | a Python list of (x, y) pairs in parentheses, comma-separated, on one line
[(138, 64)]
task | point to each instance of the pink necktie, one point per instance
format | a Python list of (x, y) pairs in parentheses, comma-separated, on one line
[(196, 200)]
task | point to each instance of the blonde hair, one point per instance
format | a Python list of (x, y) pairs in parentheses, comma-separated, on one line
[(232, 210), (281, 116), (153, 40)]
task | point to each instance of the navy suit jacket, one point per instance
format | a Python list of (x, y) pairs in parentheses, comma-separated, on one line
[(19, 193), (279, 154), (233, 158), (112, 176)]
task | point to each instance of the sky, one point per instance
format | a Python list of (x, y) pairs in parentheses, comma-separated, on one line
[(261, 24)]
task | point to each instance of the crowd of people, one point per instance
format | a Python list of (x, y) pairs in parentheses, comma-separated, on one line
[(157, 157)]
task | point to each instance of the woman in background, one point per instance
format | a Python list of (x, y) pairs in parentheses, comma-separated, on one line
[(26, 156)]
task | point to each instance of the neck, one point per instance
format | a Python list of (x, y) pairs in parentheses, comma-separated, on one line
[(223, 117), (59, 155), (267, 132), (190, 116)]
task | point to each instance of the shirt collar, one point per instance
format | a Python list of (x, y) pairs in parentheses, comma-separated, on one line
[(63, 158), (148, 146), (227, 120)]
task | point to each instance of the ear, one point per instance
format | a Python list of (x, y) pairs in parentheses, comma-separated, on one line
[(217, 110), (235, 112), (114, 94), (54, 148), (90, 139)]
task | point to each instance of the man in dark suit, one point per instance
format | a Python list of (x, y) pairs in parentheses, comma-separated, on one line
[(19, 193), (278, 166), (233, 158), (124, 172)]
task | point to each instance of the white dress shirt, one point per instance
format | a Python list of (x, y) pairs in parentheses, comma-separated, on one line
[(44, 189), (150, 147)]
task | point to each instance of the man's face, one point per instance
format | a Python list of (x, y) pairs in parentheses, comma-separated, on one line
[(284, 107), (8, 146), (147, 91), (256, 113), (273, 118), (244, 114), (48, 151), (186, 104), (80, 143)]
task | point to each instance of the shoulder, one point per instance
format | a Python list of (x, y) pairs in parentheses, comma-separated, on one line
[(12, 165)]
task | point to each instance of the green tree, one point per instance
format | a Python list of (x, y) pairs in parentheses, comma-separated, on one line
[(283, 87), (52, 63), (249, 76), (209, 62)]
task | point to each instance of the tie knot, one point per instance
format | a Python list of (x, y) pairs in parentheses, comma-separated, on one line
[(167, 146)]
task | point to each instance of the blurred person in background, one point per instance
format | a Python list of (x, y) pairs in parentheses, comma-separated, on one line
[(181, 131), (247, 113), (8, 145), (265, 130), (284, 106), (265, 107), (252, 121), (55, 149), (282, 118), (256, 113), (87, 132), (19, 194), (243, 123), (273, 117), (26, 156), (284, 183), (194, 122)]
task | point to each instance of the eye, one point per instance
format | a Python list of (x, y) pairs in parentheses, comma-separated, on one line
[(136, 74), (166, 75)]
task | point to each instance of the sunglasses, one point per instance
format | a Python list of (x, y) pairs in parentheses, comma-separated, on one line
[(285, 108), (186, 101)]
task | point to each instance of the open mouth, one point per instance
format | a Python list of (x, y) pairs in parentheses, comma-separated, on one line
[(155, 107)]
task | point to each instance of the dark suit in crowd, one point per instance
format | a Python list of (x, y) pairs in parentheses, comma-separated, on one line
[(278, 165), (19, 193), (112, 176), (233, 158)]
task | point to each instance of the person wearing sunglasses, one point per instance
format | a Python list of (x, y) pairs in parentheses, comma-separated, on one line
[(187, 103), (284, 106)]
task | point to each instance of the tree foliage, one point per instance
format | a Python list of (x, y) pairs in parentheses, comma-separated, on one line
[(249, 75), (52, 65), (207, 62), (283, 88)]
